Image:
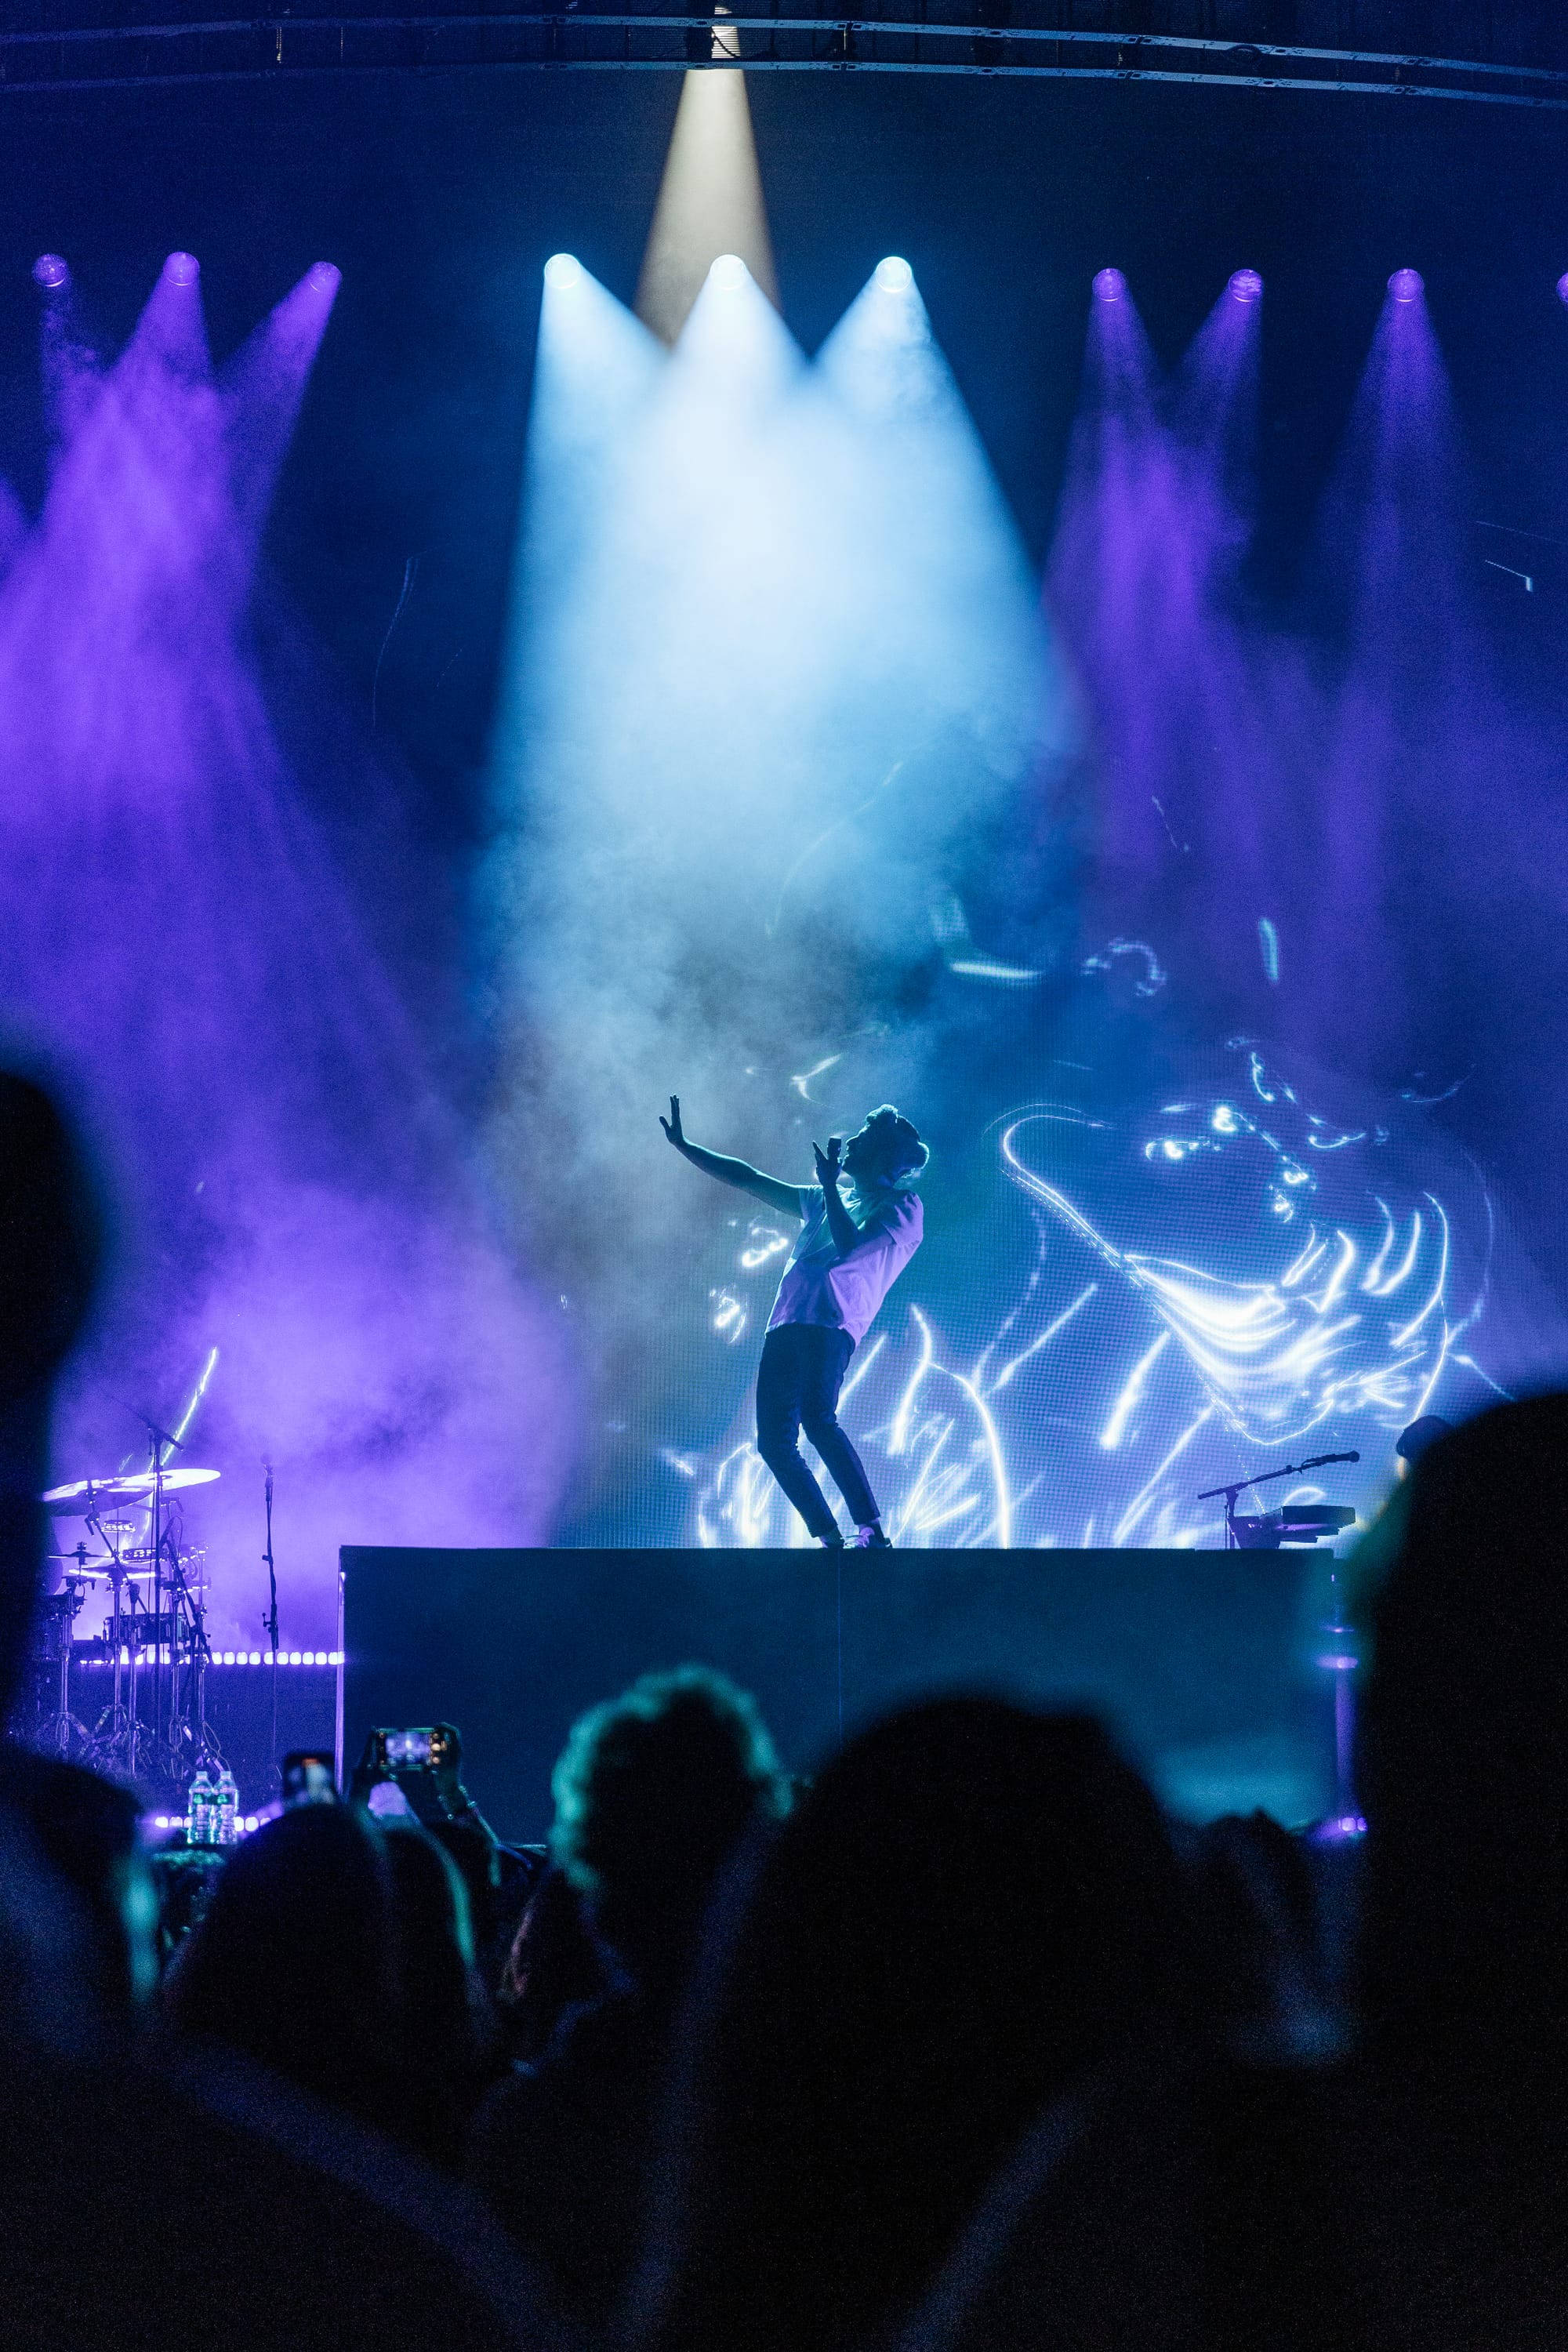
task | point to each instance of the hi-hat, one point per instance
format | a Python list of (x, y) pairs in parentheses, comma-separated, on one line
[(84, 1495)]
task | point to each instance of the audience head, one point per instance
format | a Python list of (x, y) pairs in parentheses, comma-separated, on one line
[(475, 1859), (1413, 1443), (295, 1962), (441, 1998), (1255, 1936), (1463, 1749), (87, 1830), (49, 1251), (653, 1790), (972, 1909), (553, 1966), (448, 2028)]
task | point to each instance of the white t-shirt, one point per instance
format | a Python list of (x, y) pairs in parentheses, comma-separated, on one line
[(844, 1293)]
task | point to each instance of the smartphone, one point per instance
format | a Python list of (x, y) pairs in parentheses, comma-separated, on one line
[(308, 1779), (407, 1751)]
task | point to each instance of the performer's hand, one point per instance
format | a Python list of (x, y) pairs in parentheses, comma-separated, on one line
[(671, 1125)]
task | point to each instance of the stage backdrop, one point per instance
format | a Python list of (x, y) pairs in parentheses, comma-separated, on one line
[(1202, 1661)]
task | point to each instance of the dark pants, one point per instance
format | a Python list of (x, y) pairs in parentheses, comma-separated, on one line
[(798, 1382)]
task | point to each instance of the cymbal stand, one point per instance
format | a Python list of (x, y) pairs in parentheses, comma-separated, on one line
[(65, 1731), (116, 1746), (155, 1442)]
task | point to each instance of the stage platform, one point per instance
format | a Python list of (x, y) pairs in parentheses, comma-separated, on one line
[(1201, 1660)]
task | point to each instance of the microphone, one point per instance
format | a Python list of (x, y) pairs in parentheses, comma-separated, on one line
[(1320, 1460)]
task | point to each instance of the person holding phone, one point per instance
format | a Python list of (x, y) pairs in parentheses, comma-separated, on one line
[(861, 1223)]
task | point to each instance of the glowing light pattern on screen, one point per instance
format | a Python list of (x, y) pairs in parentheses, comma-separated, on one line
[(1281, 1357)]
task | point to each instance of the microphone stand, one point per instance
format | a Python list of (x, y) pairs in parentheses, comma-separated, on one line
[(158, 1438), (270, 1621), (1292, 1470)]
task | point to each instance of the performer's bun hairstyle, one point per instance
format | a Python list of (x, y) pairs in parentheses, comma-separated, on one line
[(904, 1156)]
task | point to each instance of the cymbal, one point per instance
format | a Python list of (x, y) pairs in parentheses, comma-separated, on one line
[(84, 1495), (70, 1502), (97, 1570), (137, 1489)]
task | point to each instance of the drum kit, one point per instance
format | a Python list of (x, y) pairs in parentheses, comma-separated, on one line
[(152, 1730)]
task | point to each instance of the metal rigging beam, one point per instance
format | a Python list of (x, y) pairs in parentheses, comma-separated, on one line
[(76, 45)]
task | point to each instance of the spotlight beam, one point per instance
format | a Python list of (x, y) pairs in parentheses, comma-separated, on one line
[(709, 209)]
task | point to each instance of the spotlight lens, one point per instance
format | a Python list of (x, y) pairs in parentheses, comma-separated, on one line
[(325, 277), (1406, 285), (1246, 286), (893, 276), (50, 271), (728, 272), (561, 270), (183, 269), (1110, 285), (1562, 286)]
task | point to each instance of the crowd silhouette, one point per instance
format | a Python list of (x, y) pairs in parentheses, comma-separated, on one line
[(959, 2047)]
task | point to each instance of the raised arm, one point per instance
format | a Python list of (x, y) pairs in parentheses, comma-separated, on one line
[(771, 1190)]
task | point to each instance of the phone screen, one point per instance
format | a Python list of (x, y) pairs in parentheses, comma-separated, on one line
[(407, 1747), (308, 1779)]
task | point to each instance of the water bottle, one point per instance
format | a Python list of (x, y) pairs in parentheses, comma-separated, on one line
[(225, 1809), (200, 1825)]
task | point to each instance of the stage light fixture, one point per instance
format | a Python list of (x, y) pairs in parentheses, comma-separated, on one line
[(183, 269), (563, 270), (51, 272), (894, 276), (1563, 287), (1406, 285), (1246, 286), (325, 277), (1110, 285), (729, 273)]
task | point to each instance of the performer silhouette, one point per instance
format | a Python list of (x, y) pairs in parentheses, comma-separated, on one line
[(861, 1223)]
